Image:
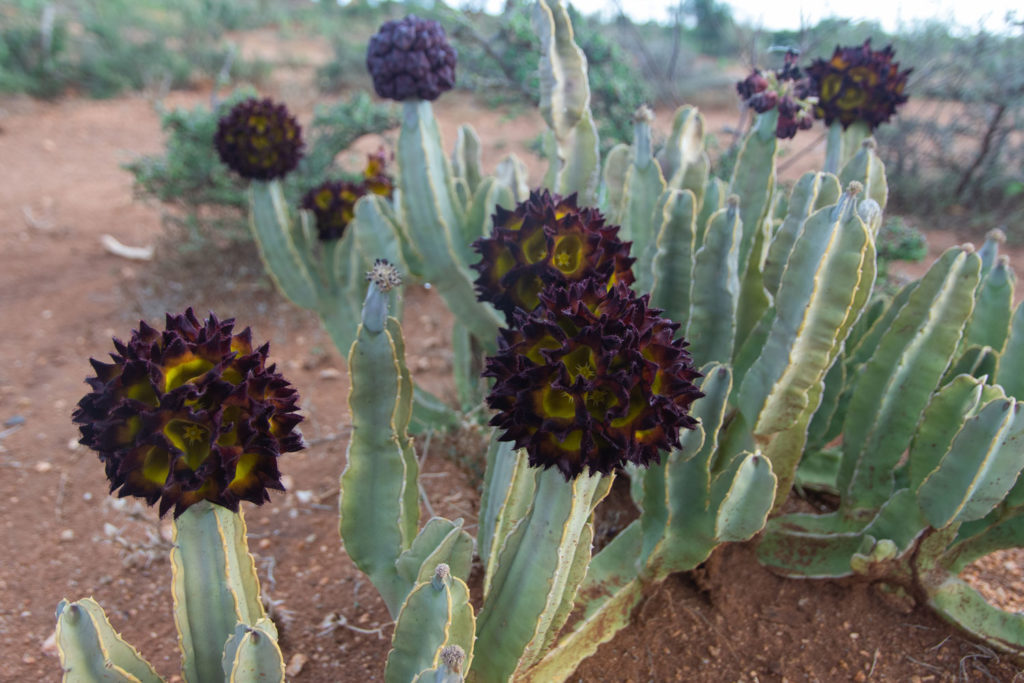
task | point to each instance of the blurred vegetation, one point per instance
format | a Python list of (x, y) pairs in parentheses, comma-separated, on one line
[(205, 203), (104, 47)]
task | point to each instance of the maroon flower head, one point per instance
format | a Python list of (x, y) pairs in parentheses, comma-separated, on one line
[(547, 239), (188, 414), (591, 379), (411, 59), (259, 140), (858, 84)]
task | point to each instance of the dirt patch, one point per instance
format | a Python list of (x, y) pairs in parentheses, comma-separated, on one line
[(63, 297)]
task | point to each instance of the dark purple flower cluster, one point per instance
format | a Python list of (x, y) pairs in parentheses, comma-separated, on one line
[(259, 140), (547, 239), (783, 89), (411, 59), (857, 84), (333, 202), (587, 375), (591, 379), (188, 414)]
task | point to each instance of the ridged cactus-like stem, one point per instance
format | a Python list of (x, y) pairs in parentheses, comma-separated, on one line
[(536, 574), (435, 616), (214, 585), (565, 105), (432, 219), (91, 650), (381, 464), (897, 381)]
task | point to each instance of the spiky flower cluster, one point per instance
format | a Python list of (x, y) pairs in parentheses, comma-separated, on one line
[(547, 239), (591, 379), (333, 202), (188, 414), (259, 140), (783, 89), (411, 59), (857, 84)]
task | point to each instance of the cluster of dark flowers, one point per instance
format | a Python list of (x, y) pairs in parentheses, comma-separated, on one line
[(587, 375), (856, 84), (333, 202)]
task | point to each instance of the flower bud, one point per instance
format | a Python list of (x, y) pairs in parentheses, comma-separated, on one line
[(259, 140)]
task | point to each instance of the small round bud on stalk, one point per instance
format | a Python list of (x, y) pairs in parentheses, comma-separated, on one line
[(383, 277), (259, 140), (411, 59), (441, 574), (453, 657), (547, 239), (591, 379), (188, 414)]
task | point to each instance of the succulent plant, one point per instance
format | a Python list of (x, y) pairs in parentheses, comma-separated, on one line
[(192, 417), (411, 59), (547, 239), (592, 379), (190, 413), (259, 139)]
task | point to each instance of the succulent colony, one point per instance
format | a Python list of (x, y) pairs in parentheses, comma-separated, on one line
[(637, 317)]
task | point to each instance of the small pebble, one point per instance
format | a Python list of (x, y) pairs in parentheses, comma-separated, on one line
[(67, 535), (14, 420), (304, 496), (264, 543), (295, 664), (330, 373), (43, 466)]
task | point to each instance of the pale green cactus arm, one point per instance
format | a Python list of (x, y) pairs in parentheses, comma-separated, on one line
[(441, 541), (565, 103), (716, 196), (683, 160), (979, 469), (675, 218), (1011, 361), (867, 168), (281, 245), (214, 586), (643, 187), (381, 465), (942, 419), (990, 321), (714, 294), (252, 654), (816, 296), (512, 173), (534, 574), (509, 485), (812, 191), (489, 194), (432, 219), (616, 165), (466, 157), (753, 181), (895, 384), (614, 590), (435, 615), (91, 650)]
